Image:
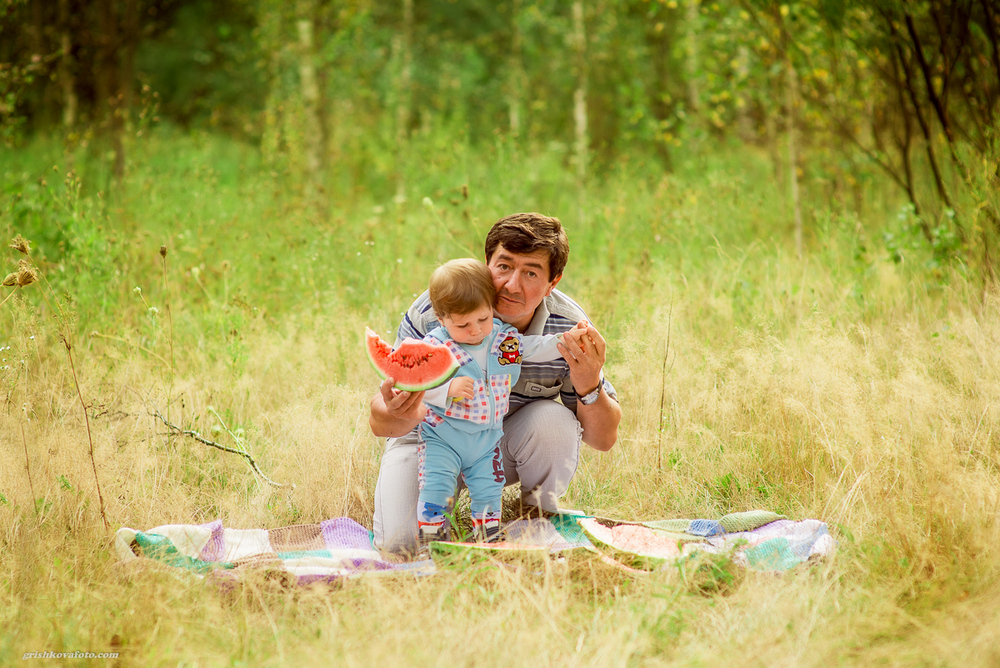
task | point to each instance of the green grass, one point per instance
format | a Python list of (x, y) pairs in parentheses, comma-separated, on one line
[(845, 386)]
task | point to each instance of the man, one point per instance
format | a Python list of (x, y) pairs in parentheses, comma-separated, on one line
[(526, 254)]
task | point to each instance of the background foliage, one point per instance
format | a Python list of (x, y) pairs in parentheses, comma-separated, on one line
[(339, 89)]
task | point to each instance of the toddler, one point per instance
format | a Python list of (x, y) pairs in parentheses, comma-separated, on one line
[(464, 422)]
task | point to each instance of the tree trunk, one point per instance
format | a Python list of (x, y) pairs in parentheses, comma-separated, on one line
[(125, 66), (516, 70), (905, 144), (326, 24), (746, 132), (403, 45), (907, 76), (67, 80), (580, 103), (269, 35), (771, 130), (312, 143), (105, 79), (661, 37), (694, 102), (793, 175)]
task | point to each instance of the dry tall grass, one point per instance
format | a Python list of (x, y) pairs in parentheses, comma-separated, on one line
[(883, 426)]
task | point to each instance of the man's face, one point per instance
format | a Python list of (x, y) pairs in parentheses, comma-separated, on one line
[(522, 282)]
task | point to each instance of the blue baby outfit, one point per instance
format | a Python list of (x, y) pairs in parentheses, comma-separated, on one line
[(463, 437)]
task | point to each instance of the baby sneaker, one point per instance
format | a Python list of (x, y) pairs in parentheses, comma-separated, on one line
[(430, 532), (432, 525), (486, 529)]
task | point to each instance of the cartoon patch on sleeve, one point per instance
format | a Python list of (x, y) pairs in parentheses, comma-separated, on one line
[(510, 351)]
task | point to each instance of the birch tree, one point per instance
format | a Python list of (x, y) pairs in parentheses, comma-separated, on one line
[(403, 48), (581, 145), (313, 144)]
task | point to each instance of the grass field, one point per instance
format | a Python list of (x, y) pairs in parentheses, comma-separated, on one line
[(843, 386)]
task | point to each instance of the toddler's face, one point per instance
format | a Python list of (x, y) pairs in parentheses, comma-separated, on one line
[(470, 328)]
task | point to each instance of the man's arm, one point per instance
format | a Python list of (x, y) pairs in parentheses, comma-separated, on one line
[(600, 422), (394, 412), (585, 356)]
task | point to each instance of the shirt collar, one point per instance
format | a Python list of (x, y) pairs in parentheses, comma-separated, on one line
[(537, 325)]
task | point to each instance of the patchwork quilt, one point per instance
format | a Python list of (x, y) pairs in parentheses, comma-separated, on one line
[(340, 548), (304, 553), (757, 539)]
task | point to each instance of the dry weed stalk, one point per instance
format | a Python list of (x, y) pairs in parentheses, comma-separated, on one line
[(20, 318), (93, 461), (212, 444), (663, 390), (27, 461), (170, 322), (26, 274)]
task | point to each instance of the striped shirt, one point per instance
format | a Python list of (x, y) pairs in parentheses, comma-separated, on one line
[(539, 380)]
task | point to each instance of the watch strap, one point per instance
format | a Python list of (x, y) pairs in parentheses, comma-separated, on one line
[(590, 397)]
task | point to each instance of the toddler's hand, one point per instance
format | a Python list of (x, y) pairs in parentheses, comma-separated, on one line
[(575, 335), (461, 388)]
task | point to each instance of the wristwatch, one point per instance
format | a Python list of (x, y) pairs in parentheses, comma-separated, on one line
[(591, 397)]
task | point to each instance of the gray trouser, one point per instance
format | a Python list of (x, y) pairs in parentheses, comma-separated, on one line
[(541, 450)]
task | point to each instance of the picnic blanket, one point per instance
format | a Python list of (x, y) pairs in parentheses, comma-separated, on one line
[(340, 548), (303, 553), (760, 540)]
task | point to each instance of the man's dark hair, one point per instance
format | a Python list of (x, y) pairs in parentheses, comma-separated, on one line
[(524, 233)]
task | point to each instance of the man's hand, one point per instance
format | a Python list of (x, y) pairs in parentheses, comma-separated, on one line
[(395, 412), (461, 388), (584, 349), (402, 404)]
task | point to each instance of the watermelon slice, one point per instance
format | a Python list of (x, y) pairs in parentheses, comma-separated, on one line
[(415, 365)]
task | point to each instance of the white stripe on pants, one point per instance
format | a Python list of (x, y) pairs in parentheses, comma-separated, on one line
[(541, 450)]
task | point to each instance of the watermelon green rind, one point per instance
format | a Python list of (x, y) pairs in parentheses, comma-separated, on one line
[(457, 554), (415, 366)]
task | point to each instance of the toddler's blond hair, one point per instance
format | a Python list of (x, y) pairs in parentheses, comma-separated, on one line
[(461, 286)]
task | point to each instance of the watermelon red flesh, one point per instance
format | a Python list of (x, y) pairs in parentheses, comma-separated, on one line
[(415, 365)]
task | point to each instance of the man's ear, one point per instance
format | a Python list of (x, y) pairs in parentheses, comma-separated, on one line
[(552, 284)]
